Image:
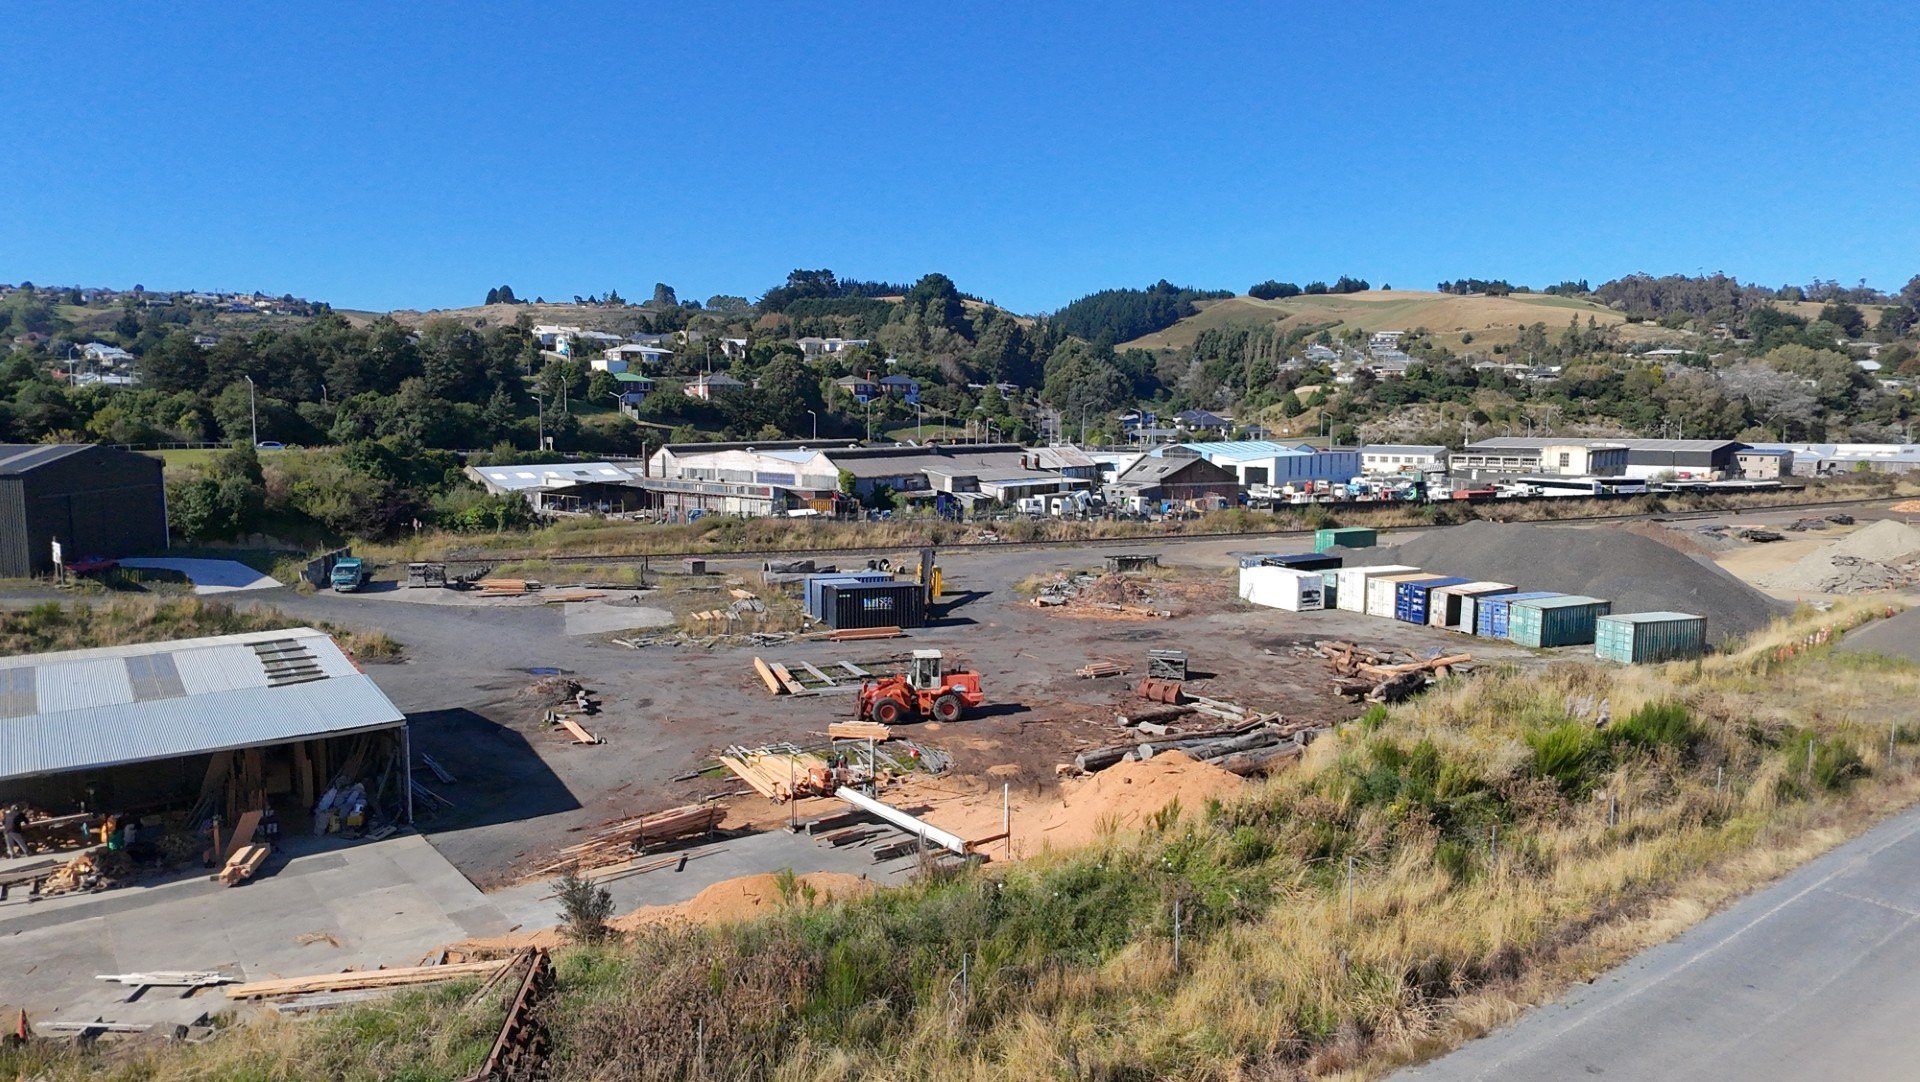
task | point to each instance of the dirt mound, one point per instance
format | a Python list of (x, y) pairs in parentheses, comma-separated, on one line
[(1633, 572), (747, 897), (1112, 589), (1896, 636), (1883, 556), (1123, 797)]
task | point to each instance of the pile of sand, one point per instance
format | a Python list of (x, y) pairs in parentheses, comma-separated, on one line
[(747, 897), (1122, 797), (1896, 636), (1635, 573), (1883, 556)]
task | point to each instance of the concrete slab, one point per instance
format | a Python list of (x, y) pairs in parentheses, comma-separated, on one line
[(601, 617), (209, 576)]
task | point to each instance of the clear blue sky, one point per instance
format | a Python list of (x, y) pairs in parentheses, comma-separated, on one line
[(413, 155)]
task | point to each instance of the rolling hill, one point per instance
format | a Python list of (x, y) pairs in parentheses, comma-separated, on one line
[(1447, 316)]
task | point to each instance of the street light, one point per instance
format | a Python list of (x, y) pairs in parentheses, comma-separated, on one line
[(816, 425), (253, 416)]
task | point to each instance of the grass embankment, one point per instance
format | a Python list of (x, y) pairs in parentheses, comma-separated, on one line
[(53, 626), (598, 537), (1424, 874)]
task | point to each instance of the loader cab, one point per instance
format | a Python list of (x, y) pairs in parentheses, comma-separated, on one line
[(924, 672)]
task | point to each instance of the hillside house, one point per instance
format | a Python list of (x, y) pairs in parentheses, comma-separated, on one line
[(711, 385), (902, 387), (827, 347), (860, 387)]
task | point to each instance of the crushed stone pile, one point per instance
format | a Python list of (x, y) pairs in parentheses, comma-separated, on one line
[(1896, 636), (1122, 798), (1636, 573), (1882, 556)]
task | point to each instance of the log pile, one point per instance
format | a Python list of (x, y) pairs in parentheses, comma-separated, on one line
[(1251, 747), (619, 841), (1376, 676)]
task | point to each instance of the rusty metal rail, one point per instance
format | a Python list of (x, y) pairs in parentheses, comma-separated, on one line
[(520, 1051)]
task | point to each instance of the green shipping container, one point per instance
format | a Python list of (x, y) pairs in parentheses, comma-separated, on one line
[(1352, 537), (1555, 621), (1639, 638)]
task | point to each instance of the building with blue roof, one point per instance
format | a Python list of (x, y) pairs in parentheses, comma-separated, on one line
[(1272, 462)]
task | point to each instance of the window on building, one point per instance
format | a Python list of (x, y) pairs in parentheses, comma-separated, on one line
[(1566, 459), (1255, 475)]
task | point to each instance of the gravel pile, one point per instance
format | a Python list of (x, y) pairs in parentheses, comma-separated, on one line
[(1636, 573), (1883, 556), (1896, 636)]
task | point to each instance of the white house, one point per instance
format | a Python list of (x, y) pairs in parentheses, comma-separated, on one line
[(820, 347), (632, 353)]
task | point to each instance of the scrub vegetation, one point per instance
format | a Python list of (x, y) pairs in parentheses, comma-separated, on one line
[(53, 626), (1427, 872)]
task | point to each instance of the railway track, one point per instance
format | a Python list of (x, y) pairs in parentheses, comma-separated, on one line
[(1102, 542)]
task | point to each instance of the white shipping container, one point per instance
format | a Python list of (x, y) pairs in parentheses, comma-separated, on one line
[(1351, 582), (1381, 591), (1451, 607), (1283, 588)]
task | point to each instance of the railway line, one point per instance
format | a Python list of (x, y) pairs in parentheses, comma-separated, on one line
[(495, 559)]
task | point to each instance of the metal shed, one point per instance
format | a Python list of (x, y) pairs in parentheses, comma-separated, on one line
[(95, 501)]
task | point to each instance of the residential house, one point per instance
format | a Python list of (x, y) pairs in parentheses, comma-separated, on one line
[(1385, 341), (860, 387), (622, 357), (632, 388), (105, 355), (711, 385), (903, 387), (827, 347), (733, 348), (1201, 421)]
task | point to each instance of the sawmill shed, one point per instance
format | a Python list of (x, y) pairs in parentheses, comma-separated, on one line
[(95, 501)]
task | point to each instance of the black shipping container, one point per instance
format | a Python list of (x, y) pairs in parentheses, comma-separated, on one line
[(1304, 561), (874, 604)]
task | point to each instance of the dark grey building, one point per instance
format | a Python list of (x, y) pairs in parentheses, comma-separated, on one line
[(96, 501)]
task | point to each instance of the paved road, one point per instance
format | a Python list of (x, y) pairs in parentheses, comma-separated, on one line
[(1817, 977)]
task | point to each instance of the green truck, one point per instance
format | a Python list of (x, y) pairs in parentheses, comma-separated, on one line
[(349, 574)]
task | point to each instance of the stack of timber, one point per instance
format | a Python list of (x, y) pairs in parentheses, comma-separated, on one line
[(1364, 675), (577, 595), (860, 730), (1102, 667), (780, 774), (507, 587), (862, 634), (359, 979), (619, 841), (1256, 746), (243, 864)]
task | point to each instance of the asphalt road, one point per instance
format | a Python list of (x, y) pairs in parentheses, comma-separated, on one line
[(1812, 978)]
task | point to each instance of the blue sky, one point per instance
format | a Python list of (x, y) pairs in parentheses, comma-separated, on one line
[(413, 155)]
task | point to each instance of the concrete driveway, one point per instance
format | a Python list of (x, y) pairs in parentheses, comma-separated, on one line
[(209, 576), (1810, 978)]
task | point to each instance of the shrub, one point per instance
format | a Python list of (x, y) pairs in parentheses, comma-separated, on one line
[(1656, 725), (585, 907), (1568, 753)]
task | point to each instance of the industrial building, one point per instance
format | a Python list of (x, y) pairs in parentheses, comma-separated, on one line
[(224, 724), (1643, 459), (1825, 459), (92, 501), (1175, 475), (1269, 462), (1403, 458)]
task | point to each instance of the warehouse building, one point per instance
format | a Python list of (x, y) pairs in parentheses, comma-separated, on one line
[(1269, 462), (93, 501), (1170, 477), (223, 725), (1639, 458)]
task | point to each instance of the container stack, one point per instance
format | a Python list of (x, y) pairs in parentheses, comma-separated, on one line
[(1350, 591), (1490, 614), (1411, 600), (1451, 607)]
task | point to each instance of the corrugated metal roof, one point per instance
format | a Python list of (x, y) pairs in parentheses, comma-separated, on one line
[(519, 478), (18, 458), (81, 709), (1238, 449)]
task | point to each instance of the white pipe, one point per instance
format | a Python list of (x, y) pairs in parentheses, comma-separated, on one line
[(943, 839)]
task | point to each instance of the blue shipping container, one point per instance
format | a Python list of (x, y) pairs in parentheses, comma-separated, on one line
[(1490, 614), (1410, 598)]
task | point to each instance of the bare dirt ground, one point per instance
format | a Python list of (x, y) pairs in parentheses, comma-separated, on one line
[(524, 791)]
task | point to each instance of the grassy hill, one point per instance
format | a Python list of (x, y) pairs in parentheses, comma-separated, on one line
[(1448, 316)]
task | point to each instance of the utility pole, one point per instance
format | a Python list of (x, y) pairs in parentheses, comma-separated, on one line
[(253, 415)]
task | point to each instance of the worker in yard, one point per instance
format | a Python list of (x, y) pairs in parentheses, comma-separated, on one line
[(10, 821)]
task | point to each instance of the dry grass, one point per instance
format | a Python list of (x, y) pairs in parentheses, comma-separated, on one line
[(1500, 844), (52, 626)]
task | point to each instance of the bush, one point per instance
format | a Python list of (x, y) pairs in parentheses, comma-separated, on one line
[(584, 907), (1654, 726), (1569, 753)]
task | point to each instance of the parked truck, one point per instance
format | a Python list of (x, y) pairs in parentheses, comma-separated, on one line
[(349, 574)]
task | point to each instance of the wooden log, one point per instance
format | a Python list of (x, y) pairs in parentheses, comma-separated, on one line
[(1258, 760)]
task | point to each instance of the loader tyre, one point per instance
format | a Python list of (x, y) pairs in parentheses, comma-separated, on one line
[(889, 711), (946, 708)]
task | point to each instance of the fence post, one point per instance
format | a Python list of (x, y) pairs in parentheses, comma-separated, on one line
[(1176, 935)]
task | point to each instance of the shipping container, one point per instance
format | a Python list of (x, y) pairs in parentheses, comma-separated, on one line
[(1348, 537), (1381, 591), (1451, 607), (1555, 621), (1299, 561), (1411, 599), (1283, 588), (813, 584), (1490, 613), (875, 604), (1352, 592), (1638, 638), (1330, 589)]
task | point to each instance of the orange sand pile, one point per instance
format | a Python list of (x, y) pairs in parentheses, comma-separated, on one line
[(745, 898), (1122, 797)]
